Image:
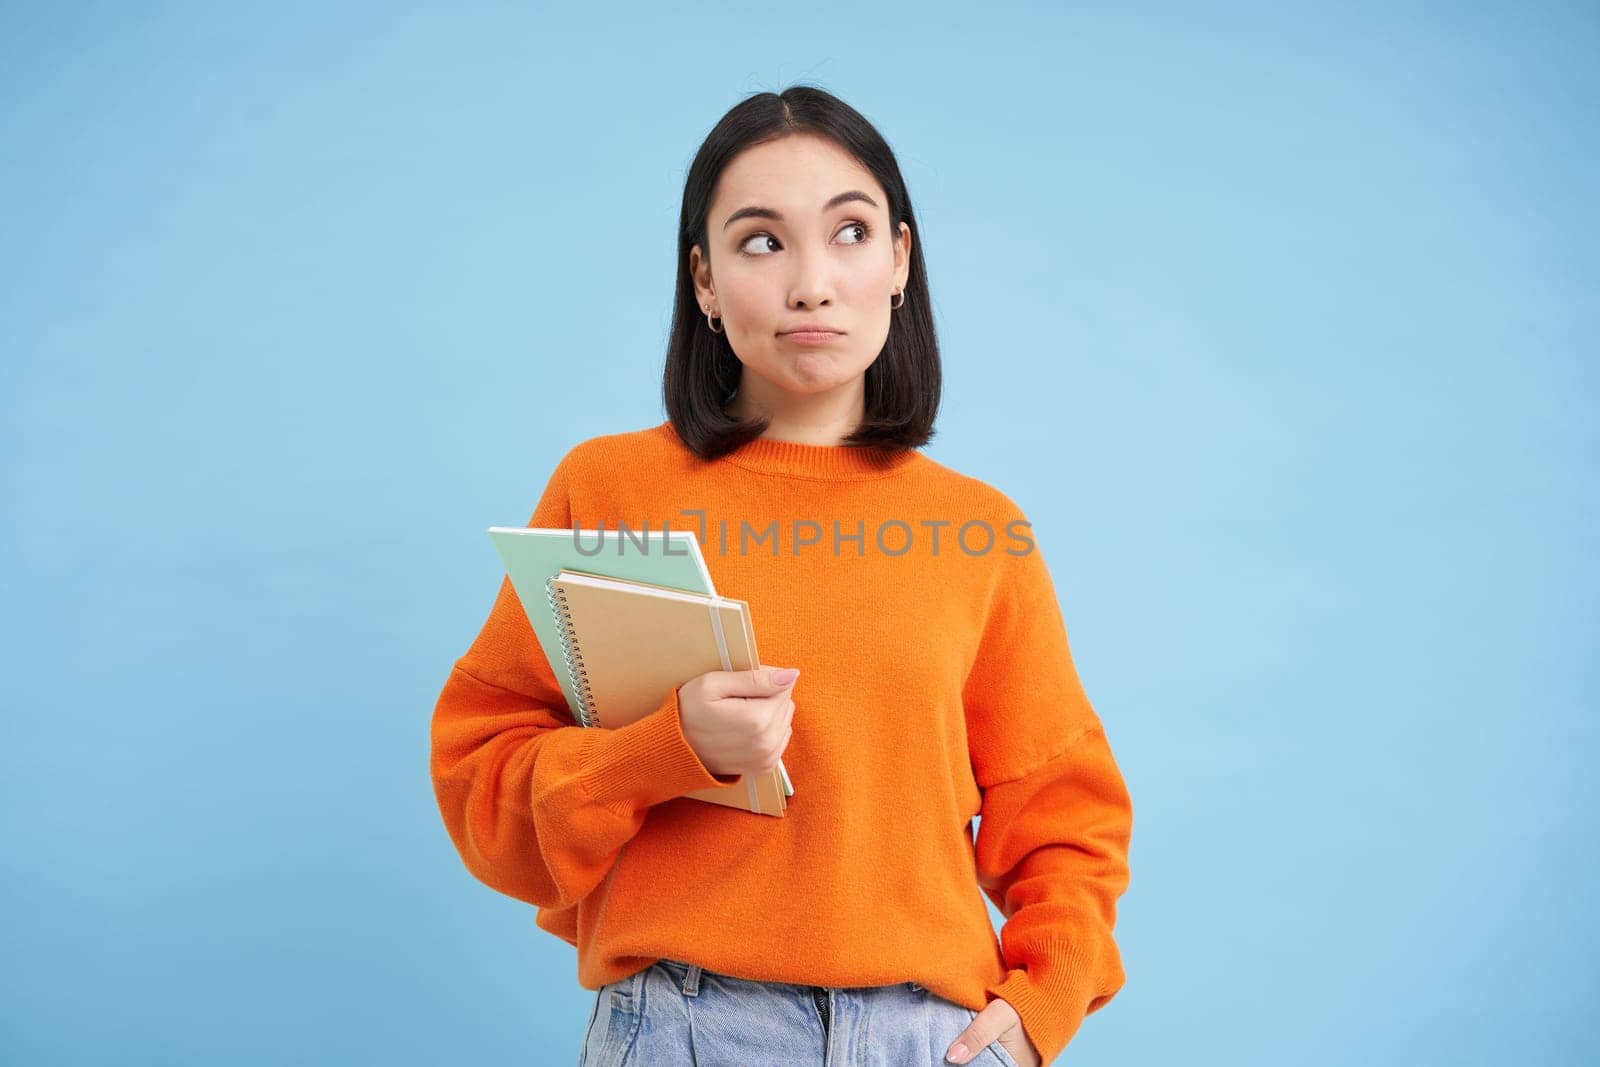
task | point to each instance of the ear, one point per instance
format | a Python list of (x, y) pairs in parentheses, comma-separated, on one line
[(902, 255), (700, 273)]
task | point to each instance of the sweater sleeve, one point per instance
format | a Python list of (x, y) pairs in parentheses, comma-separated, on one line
[(1056, 819), (537, 806)]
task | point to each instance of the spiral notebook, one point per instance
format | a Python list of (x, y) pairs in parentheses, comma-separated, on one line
[(627, 643)]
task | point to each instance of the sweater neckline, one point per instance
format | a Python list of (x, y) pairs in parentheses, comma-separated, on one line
[(828, 462)]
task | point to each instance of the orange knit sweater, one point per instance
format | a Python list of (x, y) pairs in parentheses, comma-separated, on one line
[(935, 684)]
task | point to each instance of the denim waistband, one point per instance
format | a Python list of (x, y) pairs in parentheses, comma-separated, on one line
[(687, 976)]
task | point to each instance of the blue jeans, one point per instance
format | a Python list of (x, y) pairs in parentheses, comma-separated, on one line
[(674, 1013)]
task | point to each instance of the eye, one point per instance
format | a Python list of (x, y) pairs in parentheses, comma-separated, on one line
[(866, 231), (744, 246)]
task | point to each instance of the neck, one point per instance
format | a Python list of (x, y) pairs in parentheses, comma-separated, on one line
[(801, 418)]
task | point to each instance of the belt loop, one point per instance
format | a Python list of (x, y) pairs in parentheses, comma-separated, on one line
[(691, 983), (915, 987)]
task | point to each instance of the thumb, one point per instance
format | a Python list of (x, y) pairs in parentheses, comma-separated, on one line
[(755, 682), (773, 679)]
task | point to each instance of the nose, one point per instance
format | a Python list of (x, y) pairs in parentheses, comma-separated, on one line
[(811, 286)]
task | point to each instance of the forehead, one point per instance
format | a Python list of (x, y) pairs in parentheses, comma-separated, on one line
[(796, 173)]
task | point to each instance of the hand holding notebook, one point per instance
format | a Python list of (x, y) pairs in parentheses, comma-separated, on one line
[(739, 722)]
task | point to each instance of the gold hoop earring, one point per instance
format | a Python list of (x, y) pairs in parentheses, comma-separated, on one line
[(901, 293), (709, 323)]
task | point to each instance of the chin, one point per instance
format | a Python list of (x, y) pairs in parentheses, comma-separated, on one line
[(824, 379)]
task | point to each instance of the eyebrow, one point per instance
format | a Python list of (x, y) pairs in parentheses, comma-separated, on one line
[(768, 213)]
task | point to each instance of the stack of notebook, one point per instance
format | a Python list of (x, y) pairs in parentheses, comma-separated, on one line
[(626, 616)]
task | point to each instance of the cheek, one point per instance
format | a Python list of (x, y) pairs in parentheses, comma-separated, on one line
[(742, 294), (876, 269), (865, 283)]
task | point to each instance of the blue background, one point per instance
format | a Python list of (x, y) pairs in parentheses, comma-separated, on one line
[(1279, 320)]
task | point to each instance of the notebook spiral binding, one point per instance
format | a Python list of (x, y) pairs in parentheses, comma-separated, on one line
[(570, 653)]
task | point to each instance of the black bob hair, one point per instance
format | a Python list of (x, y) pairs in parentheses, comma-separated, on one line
[(702, 372)]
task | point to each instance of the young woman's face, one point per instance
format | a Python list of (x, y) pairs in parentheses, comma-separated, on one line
[(803, 261)]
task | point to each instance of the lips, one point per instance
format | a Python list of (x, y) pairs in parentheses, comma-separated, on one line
[(810, 337)]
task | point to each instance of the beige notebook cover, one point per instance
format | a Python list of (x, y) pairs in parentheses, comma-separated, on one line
[(630, 642)]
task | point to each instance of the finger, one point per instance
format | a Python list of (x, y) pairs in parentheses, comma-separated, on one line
[(778, 714), (777, 752), (781, 733), (976, 1036)]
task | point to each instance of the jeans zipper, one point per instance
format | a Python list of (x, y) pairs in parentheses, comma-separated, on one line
[(820, 995)]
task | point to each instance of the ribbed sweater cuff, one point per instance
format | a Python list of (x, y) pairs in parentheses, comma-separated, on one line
[(1051, 996), (645, 762)]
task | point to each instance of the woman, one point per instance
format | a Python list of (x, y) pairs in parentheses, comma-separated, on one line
[(934, 678)]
